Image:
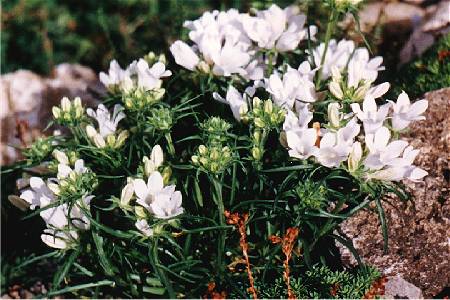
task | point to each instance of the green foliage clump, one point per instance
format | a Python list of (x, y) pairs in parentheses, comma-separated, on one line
[(428, 73), (322, 283)]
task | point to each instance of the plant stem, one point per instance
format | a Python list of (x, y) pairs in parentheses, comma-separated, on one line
[(330, 28), (170, 143), (270, 63), (222, 235)]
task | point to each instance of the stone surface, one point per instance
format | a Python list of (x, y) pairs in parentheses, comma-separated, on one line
[(425, 34), (26, 100), (398, 288), (419, 230)]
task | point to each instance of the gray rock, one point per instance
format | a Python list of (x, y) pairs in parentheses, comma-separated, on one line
[(26, 100), (397, 287)]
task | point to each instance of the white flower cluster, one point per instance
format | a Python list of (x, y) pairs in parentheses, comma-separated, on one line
[(350, 73), (63, 220), (138, 75), (230, 42), (342, 140), (107, 127), (160, 201)]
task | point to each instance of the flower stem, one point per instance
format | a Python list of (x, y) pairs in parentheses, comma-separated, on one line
[(222, 235), (170, 143), (330, 28)]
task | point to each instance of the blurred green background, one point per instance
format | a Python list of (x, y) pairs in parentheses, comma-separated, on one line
[(38, 34)]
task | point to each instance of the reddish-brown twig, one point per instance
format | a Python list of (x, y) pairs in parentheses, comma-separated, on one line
[(287, 245), (239, 221)]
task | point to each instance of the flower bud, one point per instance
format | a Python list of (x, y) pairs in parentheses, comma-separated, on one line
[(202, 149), (256, 153), (111, 140), (259, 123), (336, 74), (54, 188), (257, 136), (140, 212), (158, 94), (127, 193), (360, 92), (214, 167), (99, 141), (214, 154), (162, 58), (128, 103), (354, 157), (204, 161), (65, 104), (166, 174), (256, 102), (56, 112), (157, 156), (77, 102), (194, 159), (334, 114), (90, 131), (121, 138), (203, 67), (243, 110), (60, 156), (268, 107), (336, 90)]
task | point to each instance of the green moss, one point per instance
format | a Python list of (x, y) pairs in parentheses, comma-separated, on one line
[(428, 73)]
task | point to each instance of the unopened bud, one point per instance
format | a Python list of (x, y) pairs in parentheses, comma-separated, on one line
[(202, 149), (99, 141), (354, 157), (127, 193), (140, 212), (121, 138), (268, 106), (166, 174), (194, 159), (334, 114), (61, 157), (259, 123), (56, 112), (111, 140), (77, 102), (256, 102), (256, 153), (65, 104), (90, 131), (336, 90), (203, 67)]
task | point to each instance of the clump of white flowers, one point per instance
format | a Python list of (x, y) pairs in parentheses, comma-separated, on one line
[(268, 128), (227, 43)]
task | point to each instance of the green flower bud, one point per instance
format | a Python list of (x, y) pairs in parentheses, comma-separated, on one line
[(56, 112), (166, 174), (121, 138), (111, 140), (256, 102), (256, 153), (194, 159), (268, 106), (259, 123), (202, 149), (140, 212)]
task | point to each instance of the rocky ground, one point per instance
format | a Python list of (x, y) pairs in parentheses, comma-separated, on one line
[(26, 100), (419, 230)]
